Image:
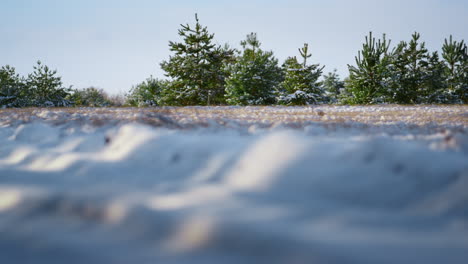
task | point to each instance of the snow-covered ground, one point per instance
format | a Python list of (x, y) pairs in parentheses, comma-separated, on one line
[(325, 184)]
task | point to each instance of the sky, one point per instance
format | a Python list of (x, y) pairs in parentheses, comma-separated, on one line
[(114, 44)]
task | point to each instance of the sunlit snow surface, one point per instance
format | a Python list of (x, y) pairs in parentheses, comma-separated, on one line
[(324, 184)]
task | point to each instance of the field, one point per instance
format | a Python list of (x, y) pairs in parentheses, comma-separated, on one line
[(322, 184)]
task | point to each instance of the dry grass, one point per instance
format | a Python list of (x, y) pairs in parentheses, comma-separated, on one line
[(294, 117)]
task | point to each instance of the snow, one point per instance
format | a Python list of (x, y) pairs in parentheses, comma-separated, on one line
[(324, 184)]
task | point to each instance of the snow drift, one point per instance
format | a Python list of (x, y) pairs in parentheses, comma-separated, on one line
[(128, 192)]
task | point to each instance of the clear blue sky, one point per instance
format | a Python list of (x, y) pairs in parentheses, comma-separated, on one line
[(114, 44)]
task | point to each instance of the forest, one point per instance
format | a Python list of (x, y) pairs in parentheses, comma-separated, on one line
[(202, 73)]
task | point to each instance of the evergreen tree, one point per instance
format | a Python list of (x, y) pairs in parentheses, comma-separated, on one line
[(434, 82), (46, 88), (300, 85), (13, 92), (254, 76), (456, 59), (333, 85), (368, 79), (195, 68), (218, 58), (90, 96), (409, 72), (147, 93)]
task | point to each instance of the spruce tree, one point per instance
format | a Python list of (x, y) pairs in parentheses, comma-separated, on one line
[(254, 76), (194, 69), (409, 72), (456, 72), (368, 79), (300, 85)]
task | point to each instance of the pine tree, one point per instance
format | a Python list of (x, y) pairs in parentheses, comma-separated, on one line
[(12, 88), (147, 93), (456, 60), (368, 79), (333, 85), (409, 72), (194, 68), (8, 77), (46, 88), (91, 97), (254, 76), (434, 82), (219, 57), (300, 85)]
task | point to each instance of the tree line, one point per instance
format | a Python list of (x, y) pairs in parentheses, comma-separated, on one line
[(201, 73), (44, 88)]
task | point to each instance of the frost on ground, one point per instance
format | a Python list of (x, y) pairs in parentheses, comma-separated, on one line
[(325, 184)]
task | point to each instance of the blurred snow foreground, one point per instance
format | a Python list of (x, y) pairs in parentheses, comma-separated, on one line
[(385, 184)]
